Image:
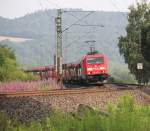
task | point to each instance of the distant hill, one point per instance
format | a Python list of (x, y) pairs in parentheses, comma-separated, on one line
[(104, 28), (30, 26)]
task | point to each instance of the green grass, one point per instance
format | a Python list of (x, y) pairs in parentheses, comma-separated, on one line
[(125, 116)]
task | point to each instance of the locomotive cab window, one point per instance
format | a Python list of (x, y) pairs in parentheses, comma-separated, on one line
[(95, 60)]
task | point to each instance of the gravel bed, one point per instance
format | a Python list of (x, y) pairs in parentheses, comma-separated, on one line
[(28, 109), (70, 103), (146, 90)]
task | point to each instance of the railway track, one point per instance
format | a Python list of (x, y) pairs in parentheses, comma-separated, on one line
[(58, 92)]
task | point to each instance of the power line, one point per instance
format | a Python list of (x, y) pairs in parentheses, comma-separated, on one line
[(78, 38), (81, 36), (90, 25), (116, 6), (58, 6), (78, 11), (91, 12), (46, 11), (53, 3), (68, 12), (78, 21)]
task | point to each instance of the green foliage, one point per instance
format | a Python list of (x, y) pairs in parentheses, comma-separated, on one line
[(129, 45), (125, 116), (9, 69), (145, 42)]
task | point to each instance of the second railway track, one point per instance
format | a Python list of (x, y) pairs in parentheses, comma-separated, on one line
[(58, 92)]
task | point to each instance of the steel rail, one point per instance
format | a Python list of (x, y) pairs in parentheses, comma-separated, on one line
[(58, 92)]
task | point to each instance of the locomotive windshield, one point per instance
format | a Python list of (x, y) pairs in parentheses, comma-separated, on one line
[(95, 60)]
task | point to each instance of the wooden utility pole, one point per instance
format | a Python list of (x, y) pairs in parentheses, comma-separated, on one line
[(58, 55)]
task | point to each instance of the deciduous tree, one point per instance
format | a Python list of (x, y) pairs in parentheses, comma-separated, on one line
[(130, 45)]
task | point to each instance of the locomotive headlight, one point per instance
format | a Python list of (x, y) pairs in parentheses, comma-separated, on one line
[(89, 69), (102, 68)]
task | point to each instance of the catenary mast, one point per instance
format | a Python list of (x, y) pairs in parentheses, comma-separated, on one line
[(58, 55)]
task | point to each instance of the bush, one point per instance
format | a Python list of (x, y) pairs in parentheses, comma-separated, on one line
[(127, 117)]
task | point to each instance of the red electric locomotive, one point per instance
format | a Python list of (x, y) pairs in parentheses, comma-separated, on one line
[(91, 68)]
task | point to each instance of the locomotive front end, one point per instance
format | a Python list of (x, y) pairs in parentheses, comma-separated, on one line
[(96, 68)]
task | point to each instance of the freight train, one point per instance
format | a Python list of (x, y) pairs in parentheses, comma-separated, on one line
[(90, 68)]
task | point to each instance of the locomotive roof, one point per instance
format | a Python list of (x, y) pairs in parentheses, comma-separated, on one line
[(94, 55)]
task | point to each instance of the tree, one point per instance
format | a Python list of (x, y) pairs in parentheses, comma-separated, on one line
[(130, 45), (6, 52), (145, 43), (9, 69)]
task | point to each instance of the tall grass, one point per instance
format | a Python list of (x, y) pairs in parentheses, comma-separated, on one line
[(125, 116), (28, 85)]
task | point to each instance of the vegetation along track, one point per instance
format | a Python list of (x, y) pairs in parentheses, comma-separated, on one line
[(56, 92)]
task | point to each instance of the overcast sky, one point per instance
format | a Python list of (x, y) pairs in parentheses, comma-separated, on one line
[(17, 8)]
